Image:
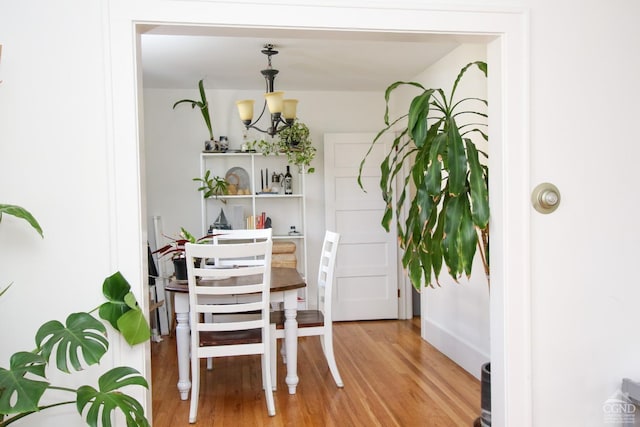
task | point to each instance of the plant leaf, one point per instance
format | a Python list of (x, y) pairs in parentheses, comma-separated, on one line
[(5, 289), (478, 187), (457, 159), (433, 178), (190, 101), (103, 402), (17, 393), (120, 302), (114, 289), (82, 333), (418, 113), (20, 212), (134, 327)]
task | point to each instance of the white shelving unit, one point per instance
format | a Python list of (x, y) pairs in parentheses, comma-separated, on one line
[(284, 211)]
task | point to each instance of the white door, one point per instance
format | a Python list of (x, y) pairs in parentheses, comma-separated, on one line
[(366, 284)]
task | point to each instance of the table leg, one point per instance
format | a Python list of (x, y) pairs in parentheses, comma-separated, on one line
[(291, 340), (182, 343)]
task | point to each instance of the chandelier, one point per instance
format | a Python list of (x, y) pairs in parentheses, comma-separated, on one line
[(283, 111)]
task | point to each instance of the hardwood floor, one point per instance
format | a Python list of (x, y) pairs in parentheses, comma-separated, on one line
[(391, 377)]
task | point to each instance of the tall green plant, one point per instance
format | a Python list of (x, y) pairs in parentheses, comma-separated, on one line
[(448, 217), (202, 104)]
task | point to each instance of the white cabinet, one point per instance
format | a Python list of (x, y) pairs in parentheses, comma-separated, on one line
[(249, 174)]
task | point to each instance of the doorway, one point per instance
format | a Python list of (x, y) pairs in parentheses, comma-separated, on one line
[(507, 93)]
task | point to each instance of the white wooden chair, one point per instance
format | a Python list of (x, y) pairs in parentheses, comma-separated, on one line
[(314, 322), (233, 336), (239, 235), (235, 236)]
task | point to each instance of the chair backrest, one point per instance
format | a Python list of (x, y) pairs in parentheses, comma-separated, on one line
[(242, 234), (326, 271), (230, 284), (239, 236)]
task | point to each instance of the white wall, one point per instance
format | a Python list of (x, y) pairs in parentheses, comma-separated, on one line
[(582, 66), (54, 161), (585, 293), (175, 138)]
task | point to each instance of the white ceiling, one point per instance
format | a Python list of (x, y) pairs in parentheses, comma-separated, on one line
[(176, 57)]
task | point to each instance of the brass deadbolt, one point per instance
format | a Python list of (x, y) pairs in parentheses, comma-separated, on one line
[(545, 198)]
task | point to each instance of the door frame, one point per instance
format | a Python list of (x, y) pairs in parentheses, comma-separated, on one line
[(508, 56)]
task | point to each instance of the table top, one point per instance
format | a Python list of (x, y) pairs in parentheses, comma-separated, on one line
[(282, 279)]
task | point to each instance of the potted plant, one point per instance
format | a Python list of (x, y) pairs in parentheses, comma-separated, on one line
[(203, 105), (175, 249), (296, 143), (448, 217), (212, 186), (25, 382)]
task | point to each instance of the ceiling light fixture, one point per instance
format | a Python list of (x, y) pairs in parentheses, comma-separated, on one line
[(283, 111)]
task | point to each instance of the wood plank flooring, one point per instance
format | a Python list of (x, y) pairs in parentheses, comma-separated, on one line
[(391, 377)]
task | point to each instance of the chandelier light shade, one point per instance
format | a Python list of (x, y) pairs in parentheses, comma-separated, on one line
[(282, 111)]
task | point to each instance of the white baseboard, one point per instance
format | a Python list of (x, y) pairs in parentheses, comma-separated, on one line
[(467, 356)]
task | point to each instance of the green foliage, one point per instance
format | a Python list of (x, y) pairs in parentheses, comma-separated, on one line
[(20, 212), (81, 333), (212, 186), (203, 105), (295, 142), (81, 341), (18, 393), (175, 247), (25, 382), (122, 310), (450, 208), (108, 398)]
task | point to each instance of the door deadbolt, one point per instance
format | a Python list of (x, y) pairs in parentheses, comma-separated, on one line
[(545, 198)]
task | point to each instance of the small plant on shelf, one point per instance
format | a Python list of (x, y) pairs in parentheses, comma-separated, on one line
[(212, 186)]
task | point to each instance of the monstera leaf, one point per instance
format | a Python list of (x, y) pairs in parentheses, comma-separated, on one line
[(82, 332), (17, 393), (122, 310), (107, 399)]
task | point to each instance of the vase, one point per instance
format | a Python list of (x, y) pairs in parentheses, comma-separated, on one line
[(180, 268)]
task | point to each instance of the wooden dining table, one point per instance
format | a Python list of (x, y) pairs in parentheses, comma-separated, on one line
[(285, 283)]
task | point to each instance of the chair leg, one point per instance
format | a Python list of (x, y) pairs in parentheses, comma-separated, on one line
[(266, 378), (274, 361), (327, 345), (195, 388)]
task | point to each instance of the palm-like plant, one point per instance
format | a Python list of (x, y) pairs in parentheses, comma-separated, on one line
[(203, 105), (448, 217)]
